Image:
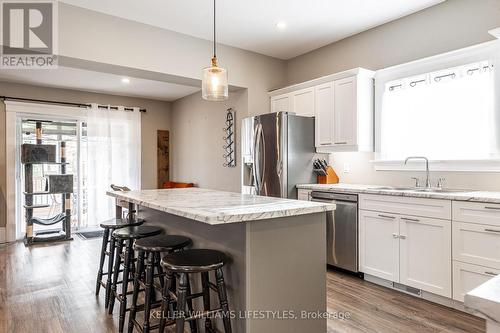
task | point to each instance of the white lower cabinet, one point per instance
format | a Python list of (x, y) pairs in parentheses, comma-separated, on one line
[(468, 276), (425, 254), (379, 244), (414, 251), (477, 244)]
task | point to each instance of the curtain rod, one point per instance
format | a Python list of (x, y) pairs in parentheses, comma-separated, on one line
[(80, 105)]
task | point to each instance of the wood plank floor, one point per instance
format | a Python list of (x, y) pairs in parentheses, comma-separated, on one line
[(50, 288)]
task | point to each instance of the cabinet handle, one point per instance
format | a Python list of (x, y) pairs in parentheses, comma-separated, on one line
[(395, 235), (492, 230), (490, 273), (325, 144), (402, 236), (491, 207), (410, 219), (386, 216), (341, 143)]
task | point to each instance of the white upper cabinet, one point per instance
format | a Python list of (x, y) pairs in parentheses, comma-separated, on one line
[(342, 104), (324, 100), (280, 103), (303, 102)]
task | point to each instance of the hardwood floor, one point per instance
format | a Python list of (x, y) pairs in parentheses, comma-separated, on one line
[(373, 308), (50, 288)]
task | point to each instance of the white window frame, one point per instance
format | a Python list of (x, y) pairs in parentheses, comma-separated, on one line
[(486, 51)]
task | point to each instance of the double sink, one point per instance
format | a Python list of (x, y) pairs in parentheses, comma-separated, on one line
[(420, 189)]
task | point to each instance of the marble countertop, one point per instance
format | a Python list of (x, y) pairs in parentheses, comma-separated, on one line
[(217, 207), (485, 299), (469, 195)]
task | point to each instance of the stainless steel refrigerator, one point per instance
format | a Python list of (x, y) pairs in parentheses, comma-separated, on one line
[(277, 154)]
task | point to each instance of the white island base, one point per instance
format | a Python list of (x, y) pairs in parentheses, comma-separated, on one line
[(278, 269)]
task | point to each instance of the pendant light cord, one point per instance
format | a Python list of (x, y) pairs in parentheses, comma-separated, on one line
[(214, 32)]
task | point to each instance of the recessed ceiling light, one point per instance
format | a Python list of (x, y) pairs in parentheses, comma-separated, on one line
[(281, 25), (125, 80)]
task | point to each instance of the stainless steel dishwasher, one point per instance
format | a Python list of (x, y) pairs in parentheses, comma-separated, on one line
[(341, 229)]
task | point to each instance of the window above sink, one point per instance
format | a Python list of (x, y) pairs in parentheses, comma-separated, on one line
[(445, 107)]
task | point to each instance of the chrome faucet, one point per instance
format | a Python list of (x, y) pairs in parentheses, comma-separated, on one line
[(427, 178)]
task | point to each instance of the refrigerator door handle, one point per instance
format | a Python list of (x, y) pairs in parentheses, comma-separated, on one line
[(279, 162), (256, 162), (262, 172)]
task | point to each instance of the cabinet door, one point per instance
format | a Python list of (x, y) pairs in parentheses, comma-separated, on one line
[(324, 104), (280, 103), (303, 102), (467, 277), (345, 112), (425, 254), (379, 244), (476, 244)]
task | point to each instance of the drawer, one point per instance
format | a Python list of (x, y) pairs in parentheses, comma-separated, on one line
[(476, 212), (467, 277), (433, 208), (303, 194), (476, 244)]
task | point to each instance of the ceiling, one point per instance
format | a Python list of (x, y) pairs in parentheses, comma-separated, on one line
[(251, 24), (85, 80)]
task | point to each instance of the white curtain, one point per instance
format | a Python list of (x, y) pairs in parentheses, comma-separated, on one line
[(114, 157)]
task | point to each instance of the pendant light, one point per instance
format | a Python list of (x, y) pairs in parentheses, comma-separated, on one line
[(214, 85)]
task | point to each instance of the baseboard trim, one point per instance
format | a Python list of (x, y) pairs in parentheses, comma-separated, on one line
[(445, 301)]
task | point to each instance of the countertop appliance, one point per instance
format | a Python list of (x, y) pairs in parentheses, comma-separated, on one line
[(277, 154), (341, 229)]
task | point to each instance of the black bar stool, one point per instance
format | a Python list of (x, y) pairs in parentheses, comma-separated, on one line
[(108, 226), (148, 251), (124, 238), (187, 262)]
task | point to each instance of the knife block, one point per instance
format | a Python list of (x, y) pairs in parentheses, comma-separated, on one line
[(330, 178)]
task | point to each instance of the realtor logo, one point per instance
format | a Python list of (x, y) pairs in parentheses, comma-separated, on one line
[(28, 31)]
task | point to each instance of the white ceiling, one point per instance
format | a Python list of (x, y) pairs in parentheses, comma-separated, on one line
[(78, 79), (251, 24)]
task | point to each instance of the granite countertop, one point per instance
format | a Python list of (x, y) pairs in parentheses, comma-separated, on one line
[(468, 195), (485, 299), (217, 207)]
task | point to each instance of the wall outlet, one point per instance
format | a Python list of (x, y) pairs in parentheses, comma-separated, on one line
[(347, 168)]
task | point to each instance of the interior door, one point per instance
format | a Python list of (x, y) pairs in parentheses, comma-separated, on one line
[(269, 153), (379, 244), (345, 114), (425, 254)]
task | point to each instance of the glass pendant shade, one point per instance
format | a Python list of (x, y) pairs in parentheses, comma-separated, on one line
[(214, 85)]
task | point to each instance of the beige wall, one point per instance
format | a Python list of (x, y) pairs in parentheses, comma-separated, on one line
[(196, 141), (449, 26), (156, 117)]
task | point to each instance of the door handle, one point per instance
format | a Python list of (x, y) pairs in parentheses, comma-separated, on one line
[(410, 219), (402, 236), (492, 230), (395, 235), (256, 161), (490, 273), (387, 216), (341, 143), (491, 207)]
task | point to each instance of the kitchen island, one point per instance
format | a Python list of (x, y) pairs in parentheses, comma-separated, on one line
[(276, 279)]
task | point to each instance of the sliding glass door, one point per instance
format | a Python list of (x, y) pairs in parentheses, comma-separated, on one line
[(55, 131)]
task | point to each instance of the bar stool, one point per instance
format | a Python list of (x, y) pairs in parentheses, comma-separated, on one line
[(188, 262), (108, 226), (124, 238), (148, 251)]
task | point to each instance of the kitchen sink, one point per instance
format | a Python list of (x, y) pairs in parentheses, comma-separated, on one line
[(395, 188), (415, 189)]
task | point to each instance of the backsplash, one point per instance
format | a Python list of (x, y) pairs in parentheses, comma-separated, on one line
[(361, 171)]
